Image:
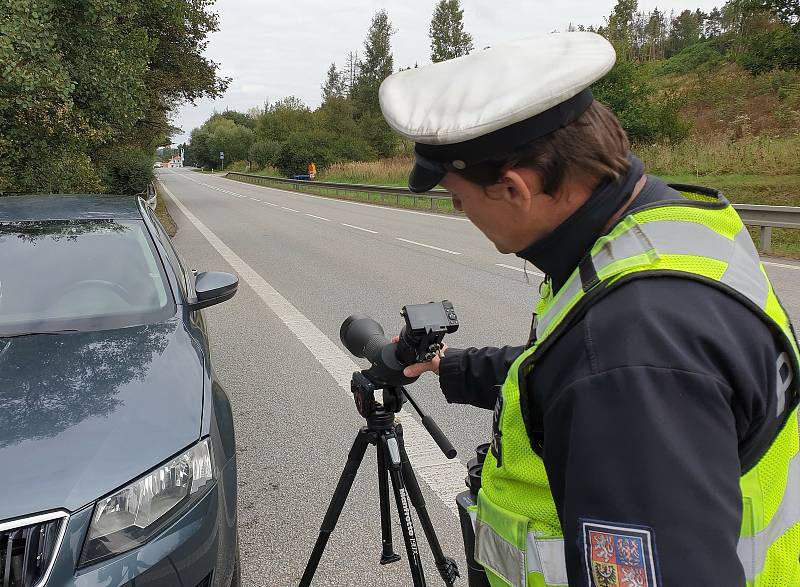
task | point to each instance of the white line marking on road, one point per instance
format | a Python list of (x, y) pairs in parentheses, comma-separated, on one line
[(782, 265), (255, 199), (405, 240), (270, 204), (318, 217), (444, 477), (359, 228), (289, 209), (520, 269)]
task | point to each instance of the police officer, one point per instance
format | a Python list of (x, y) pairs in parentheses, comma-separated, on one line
[(646, 434)]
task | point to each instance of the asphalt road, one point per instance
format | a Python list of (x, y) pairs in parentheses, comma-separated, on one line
[(306, 264)]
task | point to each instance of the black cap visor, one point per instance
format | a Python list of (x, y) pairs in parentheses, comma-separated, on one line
[(425, 175)]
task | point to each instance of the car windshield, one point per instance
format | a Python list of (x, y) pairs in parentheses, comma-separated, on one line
[(61, 275)]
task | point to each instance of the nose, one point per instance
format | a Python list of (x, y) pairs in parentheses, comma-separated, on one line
[(457, 203)]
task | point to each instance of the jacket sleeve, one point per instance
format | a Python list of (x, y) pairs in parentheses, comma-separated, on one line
[(473, 376), (644, 470)]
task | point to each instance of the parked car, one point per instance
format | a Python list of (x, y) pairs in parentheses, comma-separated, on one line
[(157, 165), (117, 452)]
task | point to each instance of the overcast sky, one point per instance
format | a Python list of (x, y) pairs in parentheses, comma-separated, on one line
[(276, 49)]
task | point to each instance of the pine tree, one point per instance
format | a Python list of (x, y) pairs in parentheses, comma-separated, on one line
[(377, 65), (448, 37), (334, 86)]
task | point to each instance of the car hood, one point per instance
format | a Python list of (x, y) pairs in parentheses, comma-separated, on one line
[(83, 413)]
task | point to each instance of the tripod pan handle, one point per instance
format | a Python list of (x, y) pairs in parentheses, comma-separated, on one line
[(438, 436)]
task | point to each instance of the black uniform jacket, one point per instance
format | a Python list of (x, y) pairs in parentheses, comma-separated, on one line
[(646, 411)]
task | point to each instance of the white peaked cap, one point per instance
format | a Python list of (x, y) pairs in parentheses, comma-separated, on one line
[(474, 107)]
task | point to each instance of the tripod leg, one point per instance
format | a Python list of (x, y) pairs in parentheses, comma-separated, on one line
[(388, 555), (388, 443), (354, 458), (446, 565)]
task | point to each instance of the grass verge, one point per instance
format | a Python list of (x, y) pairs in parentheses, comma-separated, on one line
[(163, 215)]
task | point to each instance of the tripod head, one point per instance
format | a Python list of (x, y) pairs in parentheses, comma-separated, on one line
[(379, 415)]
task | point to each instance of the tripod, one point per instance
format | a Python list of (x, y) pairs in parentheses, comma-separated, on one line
[(387, 435)]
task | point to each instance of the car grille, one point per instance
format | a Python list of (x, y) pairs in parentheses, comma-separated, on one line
[(28, 547)]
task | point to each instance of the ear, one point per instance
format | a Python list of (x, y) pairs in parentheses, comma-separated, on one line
[(518, 188)]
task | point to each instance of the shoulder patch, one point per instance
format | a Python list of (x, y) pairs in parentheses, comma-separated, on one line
[(619, 555)]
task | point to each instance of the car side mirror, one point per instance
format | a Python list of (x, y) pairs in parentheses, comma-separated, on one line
[(213, 287)]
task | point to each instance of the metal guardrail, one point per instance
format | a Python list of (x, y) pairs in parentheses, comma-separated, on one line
[(342, 189), (764, 217)]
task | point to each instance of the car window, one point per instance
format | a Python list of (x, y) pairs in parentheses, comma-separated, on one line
[(79, 275)]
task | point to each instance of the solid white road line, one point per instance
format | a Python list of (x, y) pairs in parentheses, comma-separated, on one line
[(444, 477), (520, 269), (289, 209), (782, 265), (405, 240), (318, 217), (359, 228)]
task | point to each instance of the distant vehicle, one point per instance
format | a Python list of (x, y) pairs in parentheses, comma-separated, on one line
[(117, 451), (157, 165)]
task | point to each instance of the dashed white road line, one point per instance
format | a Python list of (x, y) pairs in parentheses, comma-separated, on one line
[(520, 269), (318, 217), (405, 240), (270, 204), (289, 209), (444, 477), (359, 228)]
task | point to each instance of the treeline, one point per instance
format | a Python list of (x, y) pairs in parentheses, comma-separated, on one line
[(760, 35), (86, 89), (347, 126)]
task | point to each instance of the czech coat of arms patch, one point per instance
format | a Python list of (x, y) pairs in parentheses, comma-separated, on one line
[(618, 556)]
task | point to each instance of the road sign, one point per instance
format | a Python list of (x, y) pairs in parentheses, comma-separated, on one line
[(222, 155)]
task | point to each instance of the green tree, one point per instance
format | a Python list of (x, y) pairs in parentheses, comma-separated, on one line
[(264, 153), (686, 30), (376, 66), (78, 84), (283, 118), (448, 37), (334, 86)]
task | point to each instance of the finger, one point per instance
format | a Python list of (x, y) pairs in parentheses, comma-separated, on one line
[(416, 369)]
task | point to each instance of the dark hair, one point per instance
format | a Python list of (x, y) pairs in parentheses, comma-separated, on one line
[(593, 147)]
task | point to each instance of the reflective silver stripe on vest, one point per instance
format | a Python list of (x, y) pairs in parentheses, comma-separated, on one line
[(673, 237), (752, 550), (544, 556)]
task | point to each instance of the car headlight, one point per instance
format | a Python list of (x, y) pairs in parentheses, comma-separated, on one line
[(132, 515)]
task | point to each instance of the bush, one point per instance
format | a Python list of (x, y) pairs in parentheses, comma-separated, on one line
[(302, 148), (60, 173), (128, 171), (770, 50), (694, 58), (264, 152), (239, 166), (644, 114)]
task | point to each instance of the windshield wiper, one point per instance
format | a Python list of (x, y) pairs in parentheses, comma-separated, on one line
[(53, 332)]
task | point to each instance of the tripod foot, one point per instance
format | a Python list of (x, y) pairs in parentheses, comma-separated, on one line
[(389, 558), (448, 570)]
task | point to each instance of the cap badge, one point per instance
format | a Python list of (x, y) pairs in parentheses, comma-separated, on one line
[(459, 164)]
